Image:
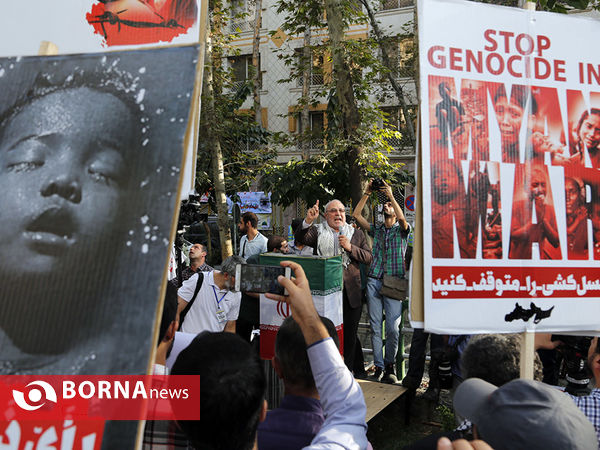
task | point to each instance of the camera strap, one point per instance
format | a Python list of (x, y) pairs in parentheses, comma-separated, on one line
[(199, 282)]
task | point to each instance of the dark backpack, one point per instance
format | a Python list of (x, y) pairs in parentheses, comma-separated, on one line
[(191, 302)]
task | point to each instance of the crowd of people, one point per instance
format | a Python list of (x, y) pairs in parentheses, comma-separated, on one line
[(323, 405)]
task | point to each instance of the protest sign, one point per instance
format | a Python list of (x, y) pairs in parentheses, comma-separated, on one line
[(511, 150), (80, 26), (89, 199)]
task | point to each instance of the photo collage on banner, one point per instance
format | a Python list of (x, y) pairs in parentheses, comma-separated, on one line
[(91, 160), (510, 114)]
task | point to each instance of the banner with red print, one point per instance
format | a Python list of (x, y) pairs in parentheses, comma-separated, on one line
[(510, 113)]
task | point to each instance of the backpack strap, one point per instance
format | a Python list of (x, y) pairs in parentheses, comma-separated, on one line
[(191, 302)]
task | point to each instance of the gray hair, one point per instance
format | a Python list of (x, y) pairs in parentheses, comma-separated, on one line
[(495, 358), (228, 265), (331, 201)]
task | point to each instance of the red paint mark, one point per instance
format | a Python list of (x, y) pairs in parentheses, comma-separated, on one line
[(134, 22)]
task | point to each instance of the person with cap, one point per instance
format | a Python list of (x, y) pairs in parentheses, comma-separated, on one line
[(524, 414)]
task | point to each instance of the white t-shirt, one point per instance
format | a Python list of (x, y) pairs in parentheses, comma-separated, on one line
[(210, 301), (256, 246)]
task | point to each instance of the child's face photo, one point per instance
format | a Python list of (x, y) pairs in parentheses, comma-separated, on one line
[(63, 159)]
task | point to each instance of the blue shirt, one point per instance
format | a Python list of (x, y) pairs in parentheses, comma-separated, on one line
[(291, 426), (590, 405)]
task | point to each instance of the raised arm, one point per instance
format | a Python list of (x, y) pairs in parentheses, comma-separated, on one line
[(397, 209), (357, 213), (341, 397), (306, 234)]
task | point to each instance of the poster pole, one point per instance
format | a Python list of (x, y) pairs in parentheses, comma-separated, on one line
[(527, 337), (527, 354), (47, 48)]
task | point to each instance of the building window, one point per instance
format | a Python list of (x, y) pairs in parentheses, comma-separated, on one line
[(316, 67), (396, 121), (401, 54), (242, 16), (395, 4), (243, 69)]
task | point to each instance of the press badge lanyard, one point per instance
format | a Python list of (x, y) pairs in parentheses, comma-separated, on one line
[(221, 316)]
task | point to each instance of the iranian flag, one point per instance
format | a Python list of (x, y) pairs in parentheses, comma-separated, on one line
[(326, 281)]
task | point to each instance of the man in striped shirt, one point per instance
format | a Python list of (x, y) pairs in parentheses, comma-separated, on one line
[(389, 245)]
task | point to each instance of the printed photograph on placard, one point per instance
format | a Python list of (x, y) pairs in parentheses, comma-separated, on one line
[(510, 149), (90, 152), (127, 22)]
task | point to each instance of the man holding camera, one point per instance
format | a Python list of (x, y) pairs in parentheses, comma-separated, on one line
[(332, 238), (389, 245), (590, 404), (214, 304)]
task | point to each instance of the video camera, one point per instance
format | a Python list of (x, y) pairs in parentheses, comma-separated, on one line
[(575, 350)]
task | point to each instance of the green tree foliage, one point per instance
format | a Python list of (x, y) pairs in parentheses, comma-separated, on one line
[(243, 142), (356, 142)]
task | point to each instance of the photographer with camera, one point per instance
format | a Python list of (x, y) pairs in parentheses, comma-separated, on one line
[(588, 404), (386, 283)]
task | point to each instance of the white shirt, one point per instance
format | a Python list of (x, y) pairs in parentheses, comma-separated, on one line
[(256, 246), (202, 316)]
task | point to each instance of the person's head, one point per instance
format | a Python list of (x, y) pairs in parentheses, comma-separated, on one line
[(510, 112), (66, 158), (538, 182), (446, 175), (227, 271), (248, 221), (295, 224), (168, 322), (588, 129), (594, 359), (291, 360), (444, 90), (574, 195), (277, 244), (232, 391), (388, 211), (524, 414), (335, 214), (197, 254), (495, 358)]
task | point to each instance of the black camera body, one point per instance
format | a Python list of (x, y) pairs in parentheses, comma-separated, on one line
[(575, 350), (377, 184)]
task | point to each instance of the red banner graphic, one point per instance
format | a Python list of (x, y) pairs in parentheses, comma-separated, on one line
[(65, 397)]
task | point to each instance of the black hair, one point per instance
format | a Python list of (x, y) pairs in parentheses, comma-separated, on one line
[(274, 243), (232, 391), (295, 224), (290, 350), (250, 217), (169, 313), (495, 358), (585, 115), (519, 95)]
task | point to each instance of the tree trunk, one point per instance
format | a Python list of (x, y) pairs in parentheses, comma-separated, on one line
[(390, 75), (255, 61), (305, 114), (214, 146), (345, 95)]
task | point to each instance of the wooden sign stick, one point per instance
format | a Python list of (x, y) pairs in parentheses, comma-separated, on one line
[(527, 354), (47, 48)]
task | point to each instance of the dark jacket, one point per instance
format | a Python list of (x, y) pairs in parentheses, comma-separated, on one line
[(361, 253)]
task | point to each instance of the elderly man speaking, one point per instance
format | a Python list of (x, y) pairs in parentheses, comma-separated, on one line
[(336, 237)]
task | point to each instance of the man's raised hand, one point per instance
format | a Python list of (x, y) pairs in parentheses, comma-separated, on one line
[(312, 213), (301, 303)]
